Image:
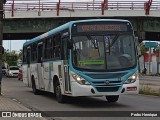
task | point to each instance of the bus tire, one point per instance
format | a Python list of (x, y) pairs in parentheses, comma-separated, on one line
[(60, 98), (112, 98), (35, 91)]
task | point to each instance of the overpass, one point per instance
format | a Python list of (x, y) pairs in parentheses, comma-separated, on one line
[(24, 20)]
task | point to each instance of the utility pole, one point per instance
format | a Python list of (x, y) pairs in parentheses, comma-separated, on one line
[(1, 38)]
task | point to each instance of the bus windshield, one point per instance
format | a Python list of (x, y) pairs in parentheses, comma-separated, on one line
[(104, 52)]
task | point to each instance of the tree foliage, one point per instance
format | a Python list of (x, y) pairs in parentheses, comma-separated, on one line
[(8, 55), (143, 48)]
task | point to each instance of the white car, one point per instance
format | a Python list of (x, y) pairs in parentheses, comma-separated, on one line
[(13, 71)]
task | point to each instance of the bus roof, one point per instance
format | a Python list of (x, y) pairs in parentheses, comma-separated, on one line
[(68, 25)]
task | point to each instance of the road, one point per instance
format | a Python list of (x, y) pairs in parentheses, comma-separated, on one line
[(15, 89)]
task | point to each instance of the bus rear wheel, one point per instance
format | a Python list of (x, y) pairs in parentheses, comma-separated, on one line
[(60, 98), (112, 98), (35, 91)]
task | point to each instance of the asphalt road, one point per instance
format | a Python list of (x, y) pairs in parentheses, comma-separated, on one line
[(15, 89)]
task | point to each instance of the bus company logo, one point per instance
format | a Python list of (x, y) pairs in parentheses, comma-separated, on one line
[(6, 114), (107, 82)]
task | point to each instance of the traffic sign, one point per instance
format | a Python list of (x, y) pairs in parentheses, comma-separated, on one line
[(151, 44)]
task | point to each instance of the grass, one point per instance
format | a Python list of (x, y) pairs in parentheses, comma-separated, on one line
[(148, 89), (148, 92)]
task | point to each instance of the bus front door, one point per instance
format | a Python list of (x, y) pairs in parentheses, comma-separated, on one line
[(67, 86), (66, 80), (40, 67)]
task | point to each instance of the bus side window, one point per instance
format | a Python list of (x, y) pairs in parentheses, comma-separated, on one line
[(24, 55), (28, 55), (53, 48), (34, 52), (40, 53), (48, 48), (65, 50), (57, 51), (57, 48)]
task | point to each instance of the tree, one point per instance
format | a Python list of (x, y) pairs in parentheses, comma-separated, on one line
[(20, 56), (143, 49)]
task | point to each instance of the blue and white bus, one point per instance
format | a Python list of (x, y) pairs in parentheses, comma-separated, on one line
[(96, 57)]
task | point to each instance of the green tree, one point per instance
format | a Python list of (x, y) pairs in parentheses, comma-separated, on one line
[(20, 56), (10, 57), (143, 49)]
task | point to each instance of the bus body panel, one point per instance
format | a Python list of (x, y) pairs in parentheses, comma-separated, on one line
[(40, 75), (50, 70), (26, 74)]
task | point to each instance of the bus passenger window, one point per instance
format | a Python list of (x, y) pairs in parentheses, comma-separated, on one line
[(56, 46), (34, 52), (57, 52), (48, 48)]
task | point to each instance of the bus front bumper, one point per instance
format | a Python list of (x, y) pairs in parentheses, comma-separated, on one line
[(88, 90), (132, 88)]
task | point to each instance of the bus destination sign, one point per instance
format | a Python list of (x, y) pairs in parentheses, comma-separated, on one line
[(101, 27)]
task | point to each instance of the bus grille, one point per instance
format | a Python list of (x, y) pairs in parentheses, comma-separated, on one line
[(103, 82), (113, 86), (107, 89)]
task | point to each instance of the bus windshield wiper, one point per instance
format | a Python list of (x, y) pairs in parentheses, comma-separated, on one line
[(94, 42), (110, 44)]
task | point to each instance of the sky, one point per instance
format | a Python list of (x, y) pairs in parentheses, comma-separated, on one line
[(15, 44)]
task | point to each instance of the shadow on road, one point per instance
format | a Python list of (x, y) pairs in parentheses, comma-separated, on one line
[(85, 102)]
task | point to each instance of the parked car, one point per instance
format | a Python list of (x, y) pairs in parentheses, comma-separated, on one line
[(20, 75), (12, 71)]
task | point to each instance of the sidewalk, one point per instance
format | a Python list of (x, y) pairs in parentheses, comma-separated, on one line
[(7, 104)]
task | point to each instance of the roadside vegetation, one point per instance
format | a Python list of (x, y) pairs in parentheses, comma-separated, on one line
[(147, 92), (149, 89)]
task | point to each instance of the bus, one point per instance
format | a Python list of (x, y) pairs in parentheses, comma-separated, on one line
[(95, 57)]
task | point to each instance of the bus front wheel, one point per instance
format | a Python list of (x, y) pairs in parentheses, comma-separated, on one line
[(60, 98), (112, 98)]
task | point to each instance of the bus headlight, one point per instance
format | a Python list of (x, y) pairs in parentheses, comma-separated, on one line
[(80, 80), (131, 79)]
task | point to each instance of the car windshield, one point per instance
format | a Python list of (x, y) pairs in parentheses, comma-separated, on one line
[(14, 68), (104, 52)]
